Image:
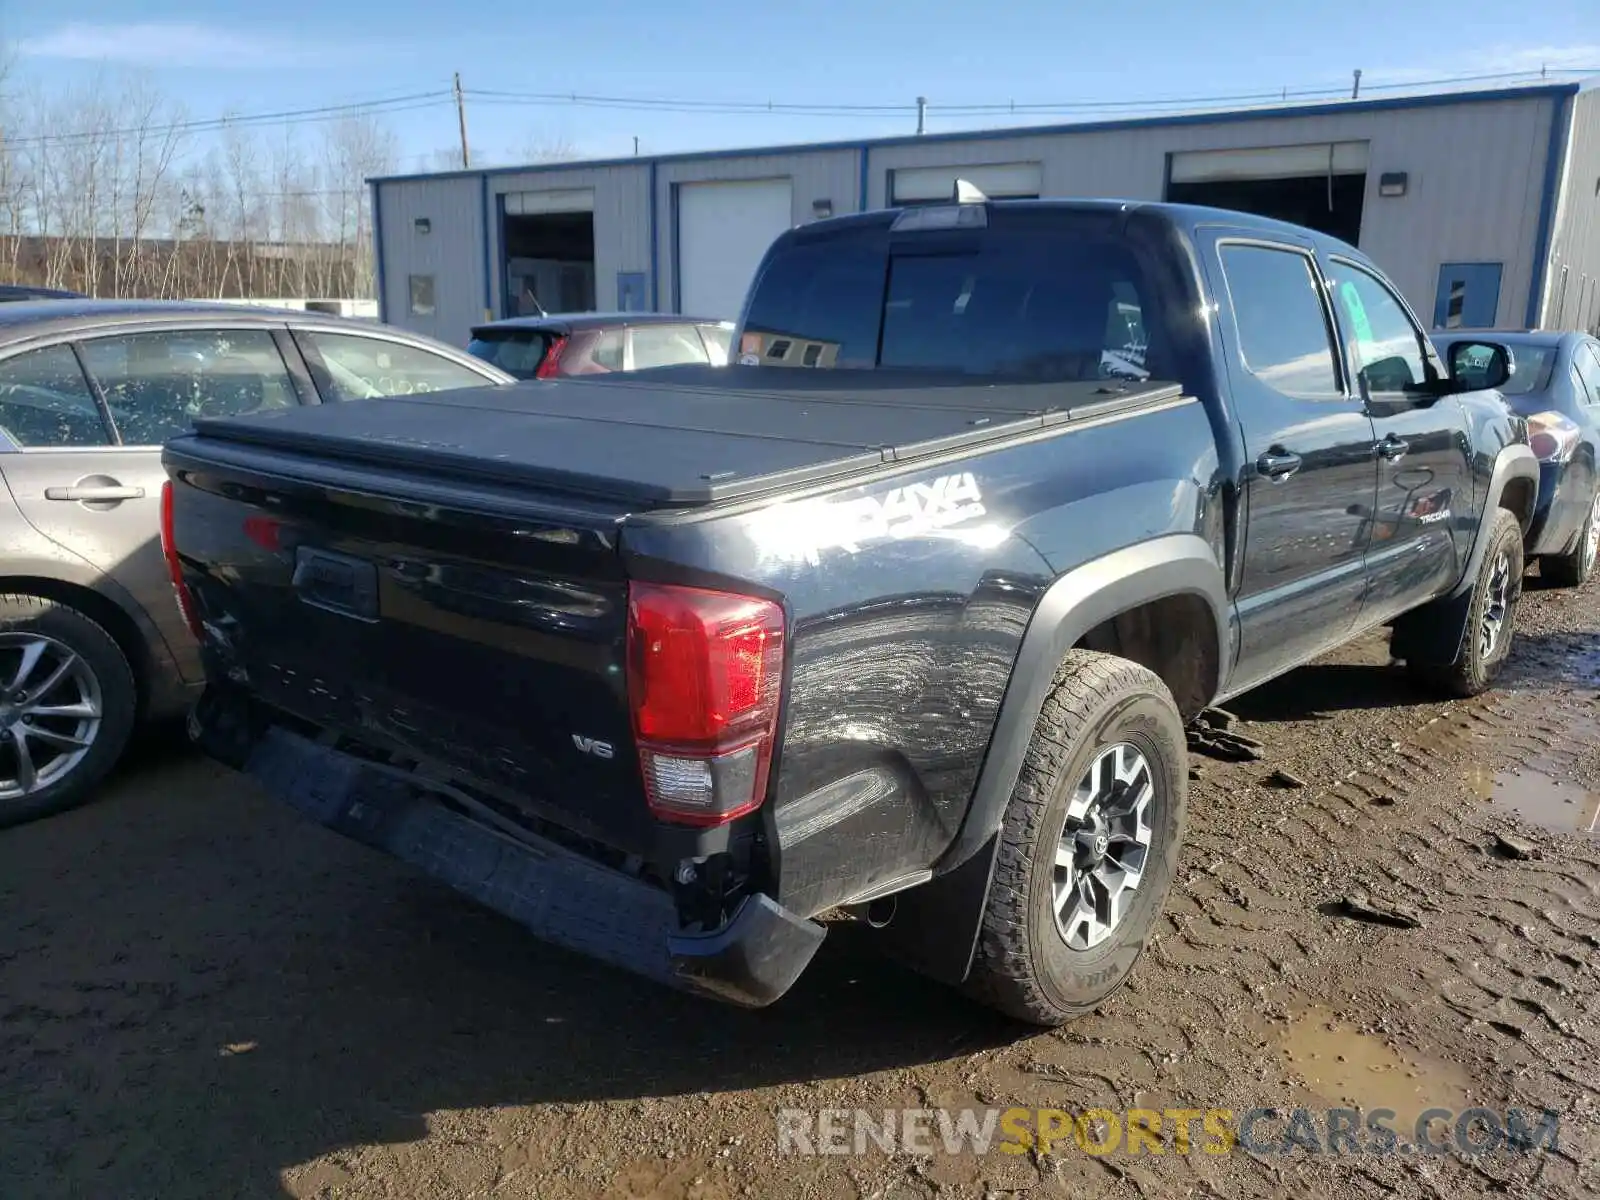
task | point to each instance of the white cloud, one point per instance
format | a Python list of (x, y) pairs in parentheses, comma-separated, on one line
[(155, 44)]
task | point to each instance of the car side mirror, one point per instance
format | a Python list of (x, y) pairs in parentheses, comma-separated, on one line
[(1478, 366)]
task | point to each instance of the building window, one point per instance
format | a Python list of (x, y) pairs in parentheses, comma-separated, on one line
[(422, 295)]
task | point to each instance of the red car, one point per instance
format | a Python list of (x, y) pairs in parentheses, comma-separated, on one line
[(595, 343)]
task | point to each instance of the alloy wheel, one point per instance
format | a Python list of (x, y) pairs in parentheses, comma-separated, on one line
[(1497, 608), (1101, 855), (50, 711)]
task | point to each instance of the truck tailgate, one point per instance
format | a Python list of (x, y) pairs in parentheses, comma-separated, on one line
[(478, 632)]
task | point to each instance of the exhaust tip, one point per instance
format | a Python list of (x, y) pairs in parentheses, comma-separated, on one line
[(880, 912)]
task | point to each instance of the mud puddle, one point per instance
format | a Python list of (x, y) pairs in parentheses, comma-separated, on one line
[(1539, 799), (1346, 1067)]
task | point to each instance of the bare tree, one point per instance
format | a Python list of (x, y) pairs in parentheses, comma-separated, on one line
[(543, 148)]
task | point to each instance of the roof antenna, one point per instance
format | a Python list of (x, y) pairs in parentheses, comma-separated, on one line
[(969, 193)]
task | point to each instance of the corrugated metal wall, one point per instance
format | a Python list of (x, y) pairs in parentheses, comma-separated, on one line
[(1456, 208), (451, 251), (832, 175), (1575, 246), (1476, 175), (621, 221)]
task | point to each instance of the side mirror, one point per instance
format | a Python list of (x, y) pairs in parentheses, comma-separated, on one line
[(1478, 366)]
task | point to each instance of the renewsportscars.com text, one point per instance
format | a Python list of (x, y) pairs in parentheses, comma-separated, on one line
[(1136, 1131)]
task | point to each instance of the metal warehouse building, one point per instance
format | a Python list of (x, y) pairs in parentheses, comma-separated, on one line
[(1484, 206)]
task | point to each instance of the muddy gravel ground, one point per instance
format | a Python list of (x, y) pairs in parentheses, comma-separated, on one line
[(201, 995)]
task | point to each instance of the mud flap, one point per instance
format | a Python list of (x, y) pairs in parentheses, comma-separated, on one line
[(935, 925)]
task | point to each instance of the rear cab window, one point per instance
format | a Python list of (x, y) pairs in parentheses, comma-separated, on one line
[(515, 351), (1063, 302)]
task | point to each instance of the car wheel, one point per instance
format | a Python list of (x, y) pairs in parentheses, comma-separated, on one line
[(1088, 844), (1573, 570), (1486, 616), (67, 706)]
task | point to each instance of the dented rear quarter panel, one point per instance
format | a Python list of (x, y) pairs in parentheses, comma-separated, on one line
[(908, 595)]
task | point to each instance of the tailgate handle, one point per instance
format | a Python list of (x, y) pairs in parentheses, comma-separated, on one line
[(338, 583), (92, 493)]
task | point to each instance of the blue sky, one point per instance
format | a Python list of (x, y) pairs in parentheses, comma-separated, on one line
[(226, 56)]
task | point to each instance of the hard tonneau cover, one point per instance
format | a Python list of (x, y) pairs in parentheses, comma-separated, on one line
[(682, 436)]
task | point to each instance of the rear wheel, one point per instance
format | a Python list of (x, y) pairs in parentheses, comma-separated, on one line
[(67, 706), (1088, 844), (1573, 570)]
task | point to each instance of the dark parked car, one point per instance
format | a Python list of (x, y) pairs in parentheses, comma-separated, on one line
[(596, 343), (24, 291), (90, 639), (666, 667), (1556, 386)]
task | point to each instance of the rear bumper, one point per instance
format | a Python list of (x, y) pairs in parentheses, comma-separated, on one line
[(1559, 512), (559, 896)]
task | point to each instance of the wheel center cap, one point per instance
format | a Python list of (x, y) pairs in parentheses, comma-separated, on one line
[(8, 716), (1093, 841)]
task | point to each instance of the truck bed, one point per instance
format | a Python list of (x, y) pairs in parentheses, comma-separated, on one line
[(679, 436)]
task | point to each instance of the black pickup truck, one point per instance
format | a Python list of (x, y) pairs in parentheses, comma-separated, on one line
[(667, 667)]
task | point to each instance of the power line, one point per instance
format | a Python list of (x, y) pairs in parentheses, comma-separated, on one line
[(326, 112), (737, 107), (414, 101)]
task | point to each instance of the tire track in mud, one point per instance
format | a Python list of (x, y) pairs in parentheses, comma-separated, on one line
[(1500, 980)]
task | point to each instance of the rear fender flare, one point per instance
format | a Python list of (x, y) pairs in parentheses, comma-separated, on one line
[(936, 924), (1078, 601)]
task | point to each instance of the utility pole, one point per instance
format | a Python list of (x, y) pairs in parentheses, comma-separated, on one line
[(636, 145), (461, 118), (922, 114), (1355, 88)]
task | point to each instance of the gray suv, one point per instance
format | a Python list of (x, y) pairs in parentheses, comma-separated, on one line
[(92, 642)]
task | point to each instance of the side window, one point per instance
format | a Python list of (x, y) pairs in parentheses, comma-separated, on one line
[(156, 384), (1283, 327), (1388, 347), (1588, 364), (46, 401), (608, 350), (666, 346), (361, 368)]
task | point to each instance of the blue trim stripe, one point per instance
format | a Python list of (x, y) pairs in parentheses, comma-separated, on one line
[(488, 289), (655, 246), (866, 178), (1435, 100), (1560, 119), (377, 254)]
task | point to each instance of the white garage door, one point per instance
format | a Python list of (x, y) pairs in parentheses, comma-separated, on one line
[(723, 230)]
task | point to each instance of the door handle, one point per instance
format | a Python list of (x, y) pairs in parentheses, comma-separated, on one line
[(94, 493), (1278, 463), (1392, 447)]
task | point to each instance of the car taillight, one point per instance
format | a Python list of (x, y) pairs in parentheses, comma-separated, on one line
[(169, 551), (550, 364), (705, 671), (1552, 436)]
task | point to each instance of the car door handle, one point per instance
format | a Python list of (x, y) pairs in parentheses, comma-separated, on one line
[(1392, 447), (93, 493), (1278, 463)]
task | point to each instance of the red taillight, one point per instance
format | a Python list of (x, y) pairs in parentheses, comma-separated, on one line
[(705, 670), (550, 364), (1553, 436), (169, 551)]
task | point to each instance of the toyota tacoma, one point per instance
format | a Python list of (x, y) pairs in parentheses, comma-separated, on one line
[(902, 615)]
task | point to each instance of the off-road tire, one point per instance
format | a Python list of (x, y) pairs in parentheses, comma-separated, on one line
[(119, 697), (1472, 671), (1573, 570), (1022, 966)]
